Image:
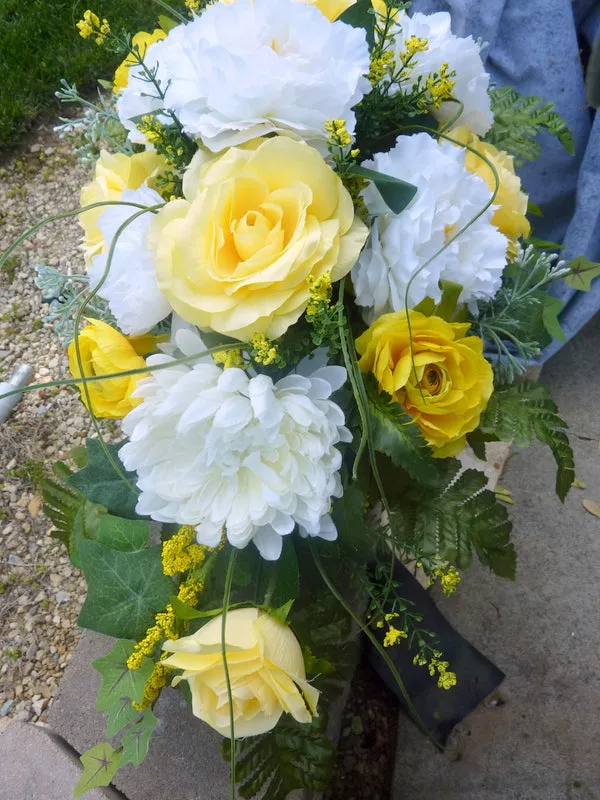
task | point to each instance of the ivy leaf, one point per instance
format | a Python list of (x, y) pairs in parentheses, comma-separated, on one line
[(396, 435), (454, 517), (137, 739), (291, 756), (551, 309), (120, 714), (100, 763), (395, 193), (122, 534), (101, 483), (117, 679), (521, 411), (125, 590), (583, 272), (360, 15)]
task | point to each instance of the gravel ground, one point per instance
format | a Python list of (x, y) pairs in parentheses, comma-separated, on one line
[(40, 592)]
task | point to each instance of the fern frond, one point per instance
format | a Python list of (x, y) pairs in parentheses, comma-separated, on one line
[(518, 119), (522, 411)]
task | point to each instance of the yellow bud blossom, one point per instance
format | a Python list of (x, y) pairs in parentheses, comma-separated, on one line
[(90, 25), (265, 351), (414, 44), (320, 293), (338, 133), (440, 87), (180, 553), (449, 578), (393, 636), (153, 686), (229, 358)]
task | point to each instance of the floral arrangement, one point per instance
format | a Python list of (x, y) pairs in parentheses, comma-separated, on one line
[(310, 284)]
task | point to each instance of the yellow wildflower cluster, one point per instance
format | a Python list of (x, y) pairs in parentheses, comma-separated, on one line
[(446, 679), (265, 352), (193, 5), (229, 358), (449, 577), (414, 44), (338, 133), (90, 25), (153, 686), (320, 293), (440, 85), (380, 66), (180, 553), (393, 634)]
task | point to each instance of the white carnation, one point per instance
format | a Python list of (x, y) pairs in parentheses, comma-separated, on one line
[(222, 451), (245, 70), (448, 197), (462, 54), (130, 288)]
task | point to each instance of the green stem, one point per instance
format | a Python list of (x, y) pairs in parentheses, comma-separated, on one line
[(376, 644), (226, 599), (166, 7)]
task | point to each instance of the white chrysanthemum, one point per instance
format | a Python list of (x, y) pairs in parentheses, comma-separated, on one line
[(219, 450), (448, 197), (131, 288), (462, 54), (244, 70)]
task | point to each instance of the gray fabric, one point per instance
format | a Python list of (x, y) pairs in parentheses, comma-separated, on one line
[(533, 45)]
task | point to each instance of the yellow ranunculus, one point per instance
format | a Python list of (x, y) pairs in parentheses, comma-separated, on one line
[(332, 9), (259, 221), (114, 174), (142, 41), (105, 350), (266, 670), (444, 384), (510, 218)]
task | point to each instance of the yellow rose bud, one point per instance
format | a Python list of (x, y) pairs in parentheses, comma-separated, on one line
[(142, 42), (266, 670), (235, 256), (332, 9), (114, 174), (444, 384), (103, 351), (510, 217)]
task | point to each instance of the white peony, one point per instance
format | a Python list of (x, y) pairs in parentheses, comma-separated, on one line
[(448, 197), (247, 69), (462, 54), (130, 288), (228, 453)]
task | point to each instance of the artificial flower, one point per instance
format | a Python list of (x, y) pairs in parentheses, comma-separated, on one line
[(250, 68), (332, 9), (266, 670), (511, 201), (236, 255), (227, 453), (114, 174), (414, 249), (463, 57), (104, 351), (140, 42), (130, 287), (434, 370)]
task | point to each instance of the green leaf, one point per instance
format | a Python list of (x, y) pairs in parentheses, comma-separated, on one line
[(120, 714), (360, 15), (534, 209), (291, 756), (100, 763), (117, 679), (583, 272), (396, 435), (278, 581), (543, 244), (477, 441), (518, 119), (455, 516), (101, 483), (396, 193), (137, 739), (349, 516), (125, 590), (167, 23), (281, 614), (552, 308), (122, 534), (523, 411), (185, 612)]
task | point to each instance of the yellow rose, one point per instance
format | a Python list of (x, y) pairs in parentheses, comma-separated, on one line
[(510, 217), (332, 9), (259, 221), (266, 670), (105, 350), (444, 385), (114, 174), (142, 41)]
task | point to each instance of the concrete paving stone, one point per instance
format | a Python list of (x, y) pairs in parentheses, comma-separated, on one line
[(538, 737), (36, 765)]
